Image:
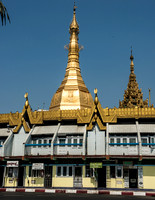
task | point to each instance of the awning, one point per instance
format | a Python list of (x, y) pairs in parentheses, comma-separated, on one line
[(44, 130), (4, 132)]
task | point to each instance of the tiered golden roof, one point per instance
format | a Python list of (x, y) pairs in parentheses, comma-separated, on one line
[(96, 114), (133, 96), (72, 93)]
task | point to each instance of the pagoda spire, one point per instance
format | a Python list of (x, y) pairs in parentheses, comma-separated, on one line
[(72, 93), (73, 47), (133, 96)]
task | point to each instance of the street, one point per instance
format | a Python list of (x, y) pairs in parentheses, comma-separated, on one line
[(60, 196)]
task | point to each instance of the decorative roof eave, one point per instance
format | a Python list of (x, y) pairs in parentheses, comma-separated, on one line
[(131, 112), (25, 125), (98, 116), (83, 116)]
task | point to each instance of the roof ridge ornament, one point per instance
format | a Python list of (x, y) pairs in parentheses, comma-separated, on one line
[(27, 101), (74, 8), (96, 97), (132, 64)]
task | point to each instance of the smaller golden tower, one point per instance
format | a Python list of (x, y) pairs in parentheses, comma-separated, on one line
[(133, 96), (72, 93)]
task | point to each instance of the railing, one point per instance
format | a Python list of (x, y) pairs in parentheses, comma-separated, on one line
[(38, 149), (68, 149), (123, 148), (148, 149)]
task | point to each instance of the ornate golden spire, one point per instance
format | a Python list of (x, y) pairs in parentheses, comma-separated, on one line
[(72, 93), (133, 96), (73, 48)]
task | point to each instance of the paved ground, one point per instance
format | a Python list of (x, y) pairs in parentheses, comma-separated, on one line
[(60, 196)]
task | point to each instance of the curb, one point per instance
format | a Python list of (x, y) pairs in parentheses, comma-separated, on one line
[(73, 191)]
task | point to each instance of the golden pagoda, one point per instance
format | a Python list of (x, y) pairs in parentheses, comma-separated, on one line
[(133, 96), (72, 93)]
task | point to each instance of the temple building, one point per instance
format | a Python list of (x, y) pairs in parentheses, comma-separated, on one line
[(77, 143)]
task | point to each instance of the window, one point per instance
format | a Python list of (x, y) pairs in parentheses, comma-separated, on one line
[(39, 142), (152, 140), (112, 140), (118, 141), (62, 140), (69, 140), (45, 142), (64, 171), (132, 140), (34, 142), (58, 171), (70, 171), (119, 171), (10, 171), (37, 173), (89, 171), (81, 140), (75, 140), (144, 141), (50, 142), (112, 171), (125, 141)]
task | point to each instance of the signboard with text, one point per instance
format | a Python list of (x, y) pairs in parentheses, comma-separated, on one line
[(37, 166), (96, 165), (12, 163)]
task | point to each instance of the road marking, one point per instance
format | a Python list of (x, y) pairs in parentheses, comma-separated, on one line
[(29, 190), (115, 192), (92, 191), (49, 191), (139, 194), (71, 191), (10, 189)]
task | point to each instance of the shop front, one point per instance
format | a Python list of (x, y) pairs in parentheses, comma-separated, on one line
[(13, 176)]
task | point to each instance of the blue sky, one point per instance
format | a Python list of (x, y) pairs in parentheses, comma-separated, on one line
[(33, 58)]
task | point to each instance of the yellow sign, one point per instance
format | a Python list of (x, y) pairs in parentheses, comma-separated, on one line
[(95, 165)]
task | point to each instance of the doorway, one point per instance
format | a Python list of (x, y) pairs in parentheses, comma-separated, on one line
[(101, 176), (78, 177), (20, 176), (1, 175), (48, 177), (133, 176)]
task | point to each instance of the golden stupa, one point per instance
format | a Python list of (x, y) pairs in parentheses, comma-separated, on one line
[(72, 93)]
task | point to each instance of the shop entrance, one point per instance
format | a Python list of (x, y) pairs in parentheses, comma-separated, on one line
[(20, 176), (78, 177), (101, 176), (1, 175), (48, 177), (133, 176)]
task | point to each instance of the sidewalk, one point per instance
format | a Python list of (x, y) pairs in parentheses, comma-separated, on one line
[(134, 192)]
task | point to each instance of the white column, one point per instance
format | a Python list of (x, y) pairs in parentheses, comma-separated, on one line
[(53, 139), (107, 139), (84, 141), (139, 140)]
